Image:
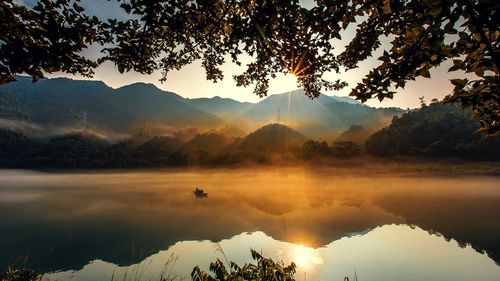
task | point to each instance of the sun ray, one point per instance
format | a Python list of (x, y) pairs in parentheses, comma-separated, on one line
[(301, 61), (304, 69)]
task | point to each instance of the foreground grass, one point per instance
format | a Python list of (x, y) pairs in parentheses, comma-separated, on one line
[(264, 269), (13, 274)]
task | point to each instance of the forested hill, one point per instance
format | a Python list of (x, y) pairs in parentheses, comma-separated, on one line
[(439, 130), (272, 142), (65, 102), (435, 131)]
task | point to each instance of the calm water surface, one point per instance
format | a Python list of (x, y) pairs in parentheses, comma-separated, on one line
[(91, 226)]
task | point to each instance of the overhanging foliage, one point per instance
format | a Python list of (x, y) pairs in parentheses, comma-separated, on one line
[(279, 36)]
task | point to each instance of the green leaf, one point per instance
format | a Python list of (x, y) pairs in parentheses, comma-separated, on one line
[(479, 71), (78, 8), (459, 82), (387, 7), (425, 73)]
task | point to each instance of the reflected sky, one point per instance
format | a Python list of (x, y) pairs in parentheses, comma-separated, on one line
[(328, 219), (390, 252)]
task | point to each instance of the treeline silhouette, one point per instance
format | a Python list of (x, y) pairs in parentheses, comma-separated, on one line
[(436, 130), (84, 149)]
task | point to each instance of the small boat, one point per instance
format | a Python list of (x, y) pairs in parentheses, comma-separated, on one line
[(200, 193)]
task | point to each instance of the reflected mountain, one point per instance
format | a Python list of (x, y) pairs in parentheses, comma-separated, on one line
[(55, 221), (402, 247), (466, 218)]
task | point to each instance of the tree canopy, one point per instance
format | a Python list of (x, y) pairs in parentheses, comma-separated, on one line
[(435, 130), (278, 36)]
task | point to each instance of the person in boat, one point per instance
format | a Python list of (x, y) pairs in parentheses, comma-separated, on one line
[(200, 193)]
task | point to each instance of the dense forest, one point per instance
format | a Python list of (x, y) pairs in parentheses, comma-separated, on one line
[(433, 131)]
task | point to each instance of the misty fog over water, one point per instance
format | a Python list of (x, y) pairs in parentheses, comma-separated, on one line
[(87, 225)]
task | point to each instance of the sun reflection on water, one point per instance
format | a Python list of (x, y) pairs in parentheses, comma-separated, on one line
[(330, 222)]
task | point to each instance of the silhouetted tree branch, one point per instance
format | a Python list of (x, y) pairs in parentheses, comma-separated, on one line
[(279, 36)]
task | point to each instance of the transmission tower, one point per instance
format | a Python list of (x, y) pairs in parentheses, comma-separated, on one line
[(84, 121)]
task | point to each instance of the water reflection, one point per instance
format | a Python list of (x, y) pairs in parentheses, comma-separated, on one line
[(65, 221), (390, 252)]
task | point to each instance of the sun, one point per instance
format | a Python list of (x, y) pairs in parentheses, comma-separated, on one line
[(306, 257), (284, 82), (288, 78), (295, 69)]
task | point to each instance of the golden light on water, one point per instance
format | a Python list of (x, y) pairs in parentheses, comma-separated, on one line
[(331, 223)]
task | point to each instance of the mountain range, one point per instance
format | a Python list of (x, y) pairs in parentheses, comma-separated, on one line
[(66, 102), (63, 102), (318, 117)]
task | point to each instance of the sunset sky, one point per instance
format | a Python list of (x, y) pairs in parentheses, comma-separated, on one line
[(190, 81)]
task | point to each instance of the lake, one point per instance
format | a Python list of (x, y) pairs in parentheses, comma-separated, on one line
[(333, 223)]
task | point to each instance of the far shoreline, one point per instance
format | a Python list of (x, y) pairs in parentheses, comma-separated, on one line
[(363, 166)]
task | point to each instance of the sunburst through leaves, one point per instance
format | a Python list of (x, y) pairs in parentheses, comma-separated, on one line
[(299, 67)]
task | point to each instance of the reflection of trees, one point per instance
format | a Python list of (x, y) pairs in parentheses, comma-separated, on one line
[(123, 220), (469, 221), (125, 228)]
